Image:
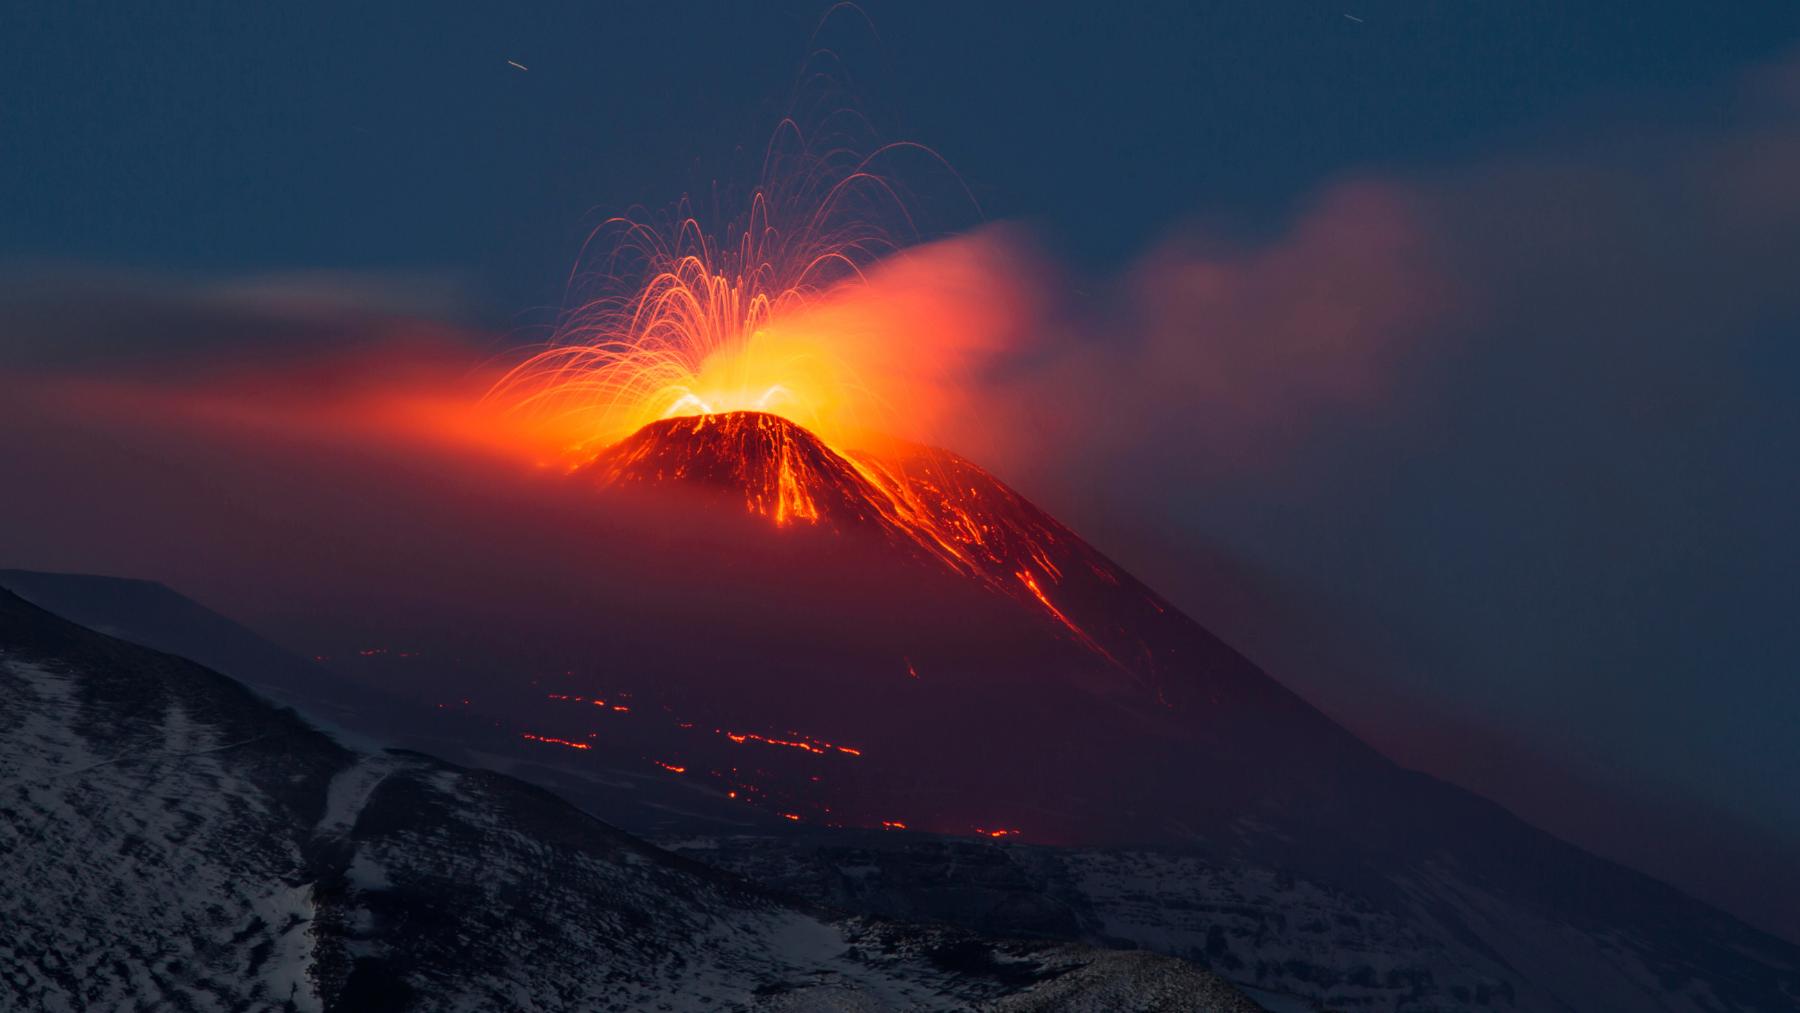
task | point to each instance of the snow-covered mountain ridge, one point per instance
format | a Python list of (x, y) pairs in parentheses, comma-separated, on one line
[(170, 840)]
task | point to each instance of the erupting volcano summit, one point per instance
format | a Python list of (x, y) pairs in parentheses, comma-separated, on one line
[(936, 506)]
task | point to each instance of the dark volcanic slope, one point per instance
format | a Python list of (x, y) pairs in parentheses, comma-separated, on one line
[(168, 840)]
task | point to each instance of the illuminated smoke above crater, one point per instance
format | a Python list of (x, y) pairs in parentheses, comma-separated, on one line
[(670, 318)]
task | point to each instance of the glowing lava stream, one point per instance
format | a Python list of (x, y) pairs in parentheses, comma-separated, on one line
[(552, 740)]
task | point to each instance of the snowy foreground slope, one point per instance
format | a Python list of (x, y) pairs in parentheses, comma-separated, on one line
[(1434, 940), (169, 840)]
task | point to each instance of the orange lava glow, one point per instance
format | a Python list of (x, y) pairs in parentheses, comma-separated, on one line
[(1031, 584), (671, 767), (670, 318), (555, 741), (892, 825), (798, 742)]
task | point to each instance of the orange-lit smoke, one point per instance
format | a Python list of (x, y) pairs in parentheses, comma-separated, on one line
[(809, 307)]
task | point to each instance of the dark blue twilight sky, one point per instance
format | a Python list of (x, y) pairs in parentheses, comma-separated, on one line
[(241, 137), (1554, 558)]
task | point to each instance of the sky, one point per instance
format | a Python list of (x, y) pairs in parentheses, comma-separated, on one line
[(1439, 356)]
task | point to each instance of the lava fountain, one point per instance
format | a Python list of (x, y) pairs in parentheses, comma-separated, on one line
[(673, 320)]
